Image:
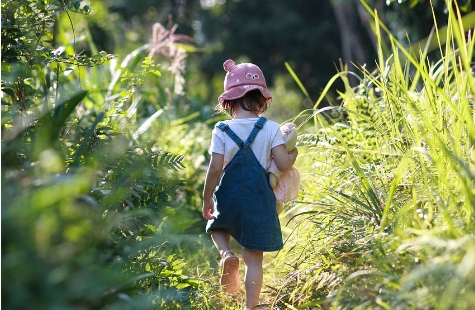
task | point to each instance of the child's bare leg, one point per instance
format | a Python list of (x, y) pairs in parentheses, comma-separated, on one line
[(221, 240), (253, 278), (229, 281)]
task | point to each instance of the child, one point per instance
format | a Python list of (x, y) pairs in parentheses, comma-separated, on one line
[(237, 198)]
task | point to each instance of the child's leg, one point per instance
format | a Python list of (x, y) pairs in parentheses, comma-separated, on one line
[(221, 240), (229, 281), (253, 278)]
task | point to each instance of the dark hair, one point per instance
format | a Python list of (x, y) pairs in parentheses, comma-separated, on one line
[(252, 101)]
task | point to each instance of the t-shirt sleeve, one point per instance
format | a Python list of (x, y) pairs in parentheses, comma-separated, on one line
[(217, 141), (277, 136)]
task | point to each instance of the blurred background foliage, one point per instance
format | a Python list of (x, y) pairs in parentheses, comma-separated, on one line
[(317, 39), (107, 109)]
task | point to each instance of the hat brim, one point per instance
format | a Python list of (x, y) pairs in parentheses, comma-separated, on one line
[(240, 91)]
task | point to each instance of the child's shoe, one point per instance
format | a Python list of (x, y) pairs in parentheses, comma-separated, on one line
[(230, 272)]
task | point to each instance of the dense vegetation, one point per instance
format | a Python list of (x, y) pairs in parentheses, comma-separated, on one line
[(102, 171)]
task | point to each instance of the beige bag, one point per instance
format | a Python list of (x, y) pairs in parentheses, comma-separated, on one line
[(288, 185)]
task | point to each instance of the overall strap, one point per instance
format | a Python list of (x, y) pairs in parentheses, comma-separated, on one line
[(225, 128), (257, 126)]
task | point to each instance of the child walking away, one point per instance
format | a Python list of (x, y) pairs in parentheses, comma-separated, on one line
[(238, 201)]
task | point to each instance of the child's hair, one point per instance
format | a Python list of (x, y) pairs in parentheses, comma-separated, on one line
[(252, 101)]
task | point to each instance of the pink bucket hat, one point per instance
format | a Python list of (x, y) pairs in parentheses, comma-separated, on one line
[(241, 79)]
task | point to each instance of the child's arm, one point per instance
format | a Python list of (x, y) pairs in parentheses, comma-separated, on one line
[(212, 178), (282, 159)]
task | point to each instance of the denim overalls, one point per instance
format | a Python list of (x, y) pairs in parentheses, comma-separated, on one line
[(244, 199)]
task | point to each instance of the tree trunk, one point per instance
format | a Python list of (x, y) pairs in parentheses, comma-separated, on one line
[(352, 46)]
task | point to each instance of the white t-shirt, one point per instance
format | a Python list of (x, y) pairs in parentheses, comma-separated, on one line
[(268, 137)]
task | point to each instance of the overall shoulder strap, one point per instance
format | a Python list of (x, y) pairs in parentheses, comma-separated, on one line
[(257, 126), (225, 128)]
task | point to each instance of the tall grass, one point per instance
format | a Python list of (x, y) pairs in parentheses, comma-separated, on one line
[(386, 218)]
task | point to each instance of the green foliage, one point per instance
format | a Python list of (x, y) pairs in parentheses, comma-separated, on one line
[(385, 219), (103, 165), (85, 191)]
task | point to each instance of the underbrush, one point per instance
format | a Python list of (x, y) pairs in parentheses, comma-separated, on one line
[(385, 218)]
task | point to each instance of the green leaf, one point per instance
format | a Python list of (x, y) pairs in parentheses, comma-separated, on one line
[(80, 150), (156, 73), (9, 91), (63, 110)]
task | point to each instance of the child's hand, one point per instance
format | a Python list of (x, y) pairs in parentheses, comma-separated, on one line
[(208, 209)]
